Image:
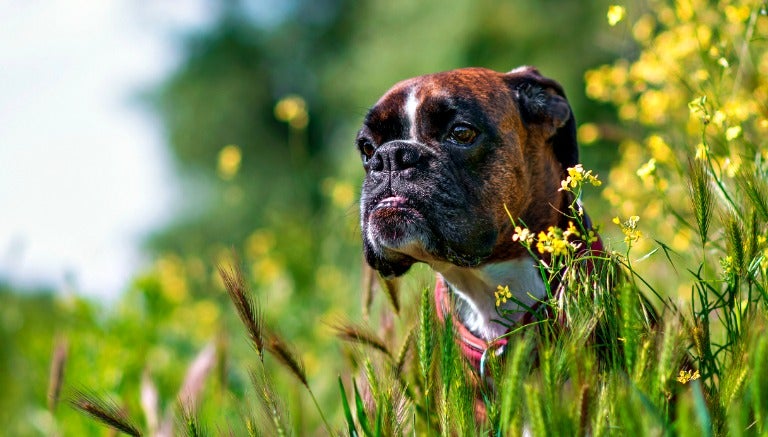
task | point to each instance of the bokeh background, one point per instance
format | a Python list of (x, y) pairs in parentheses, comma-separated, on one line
[(144, 143)]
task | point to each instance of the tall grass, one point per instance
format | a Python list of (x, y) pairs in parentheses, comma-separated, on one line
[(604, 362)]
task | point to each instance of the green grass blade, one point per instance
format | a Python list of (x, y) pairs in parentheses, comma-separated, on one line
[(351, 428), (362, 416)]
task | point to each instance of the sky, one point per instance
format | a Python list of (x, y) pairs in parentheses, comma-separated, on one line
[(84, 173)]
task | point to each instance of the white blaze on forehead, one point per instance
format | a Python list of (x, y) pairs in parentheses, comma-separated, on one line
[(411, 107)]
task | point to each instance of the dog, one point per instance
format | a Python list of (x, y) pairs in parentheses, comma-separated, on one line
[(449, 158)]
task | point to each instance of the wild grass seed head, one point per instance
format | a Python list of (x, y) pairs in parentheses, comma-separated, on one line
[(426, 336), (402, 354), (271, 405), (700, 189), (287, 357), (247, 307), (361, 335), (104, 410), (190, 423), (755, 188)]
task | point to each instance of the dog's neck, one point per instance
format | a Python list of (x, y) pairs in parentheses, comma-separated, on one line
[(474, 288)]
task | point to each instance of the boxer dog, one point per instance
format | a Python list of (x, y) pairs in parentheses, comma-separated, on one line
[(448, 158)]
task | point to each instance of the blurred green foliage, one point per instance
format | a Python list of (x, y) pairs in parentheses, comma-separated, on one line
[(259, 118)]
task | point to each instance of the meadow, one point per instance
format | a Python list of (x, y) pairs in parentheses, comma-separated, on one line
[(684, 219)]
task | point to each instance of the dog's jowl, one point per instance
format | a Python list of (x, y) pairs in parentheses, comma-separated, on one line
[(448, 158)]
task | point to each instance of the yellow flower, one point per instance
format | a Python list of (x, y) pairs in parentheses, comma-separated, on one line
[(654, 106), (502, 294), (699, 104), (292, 109), (687, 375), (702, 151), (577, 177), (629, 229), (542, 244), (555, 241), (523, 235), (643, 28), (592, 236), (660, 150), (647, 169), (732, 133), (700, 75), (615, 14), (229, 161), (737, 14), (727, 265), (718, 118), (588, 133), (571, 230)]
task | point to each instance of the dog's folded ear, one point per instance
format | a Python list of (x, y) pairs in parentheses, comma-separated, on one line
[(542, 101)]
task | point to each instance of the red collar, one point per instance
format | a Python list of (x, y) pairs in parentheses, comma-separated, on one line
[(475, 348), (472, 346)]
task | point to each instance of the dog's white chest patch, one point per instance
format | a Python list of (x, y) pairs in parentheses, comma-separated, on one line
[(475, 303)]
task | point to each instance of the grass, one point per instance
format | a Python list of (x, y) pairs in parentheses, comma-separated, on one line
[(615, 365), (629, 359)]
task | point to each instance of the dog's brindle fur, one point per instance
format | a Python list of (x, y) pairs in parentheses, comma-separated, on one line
[(430, 196)]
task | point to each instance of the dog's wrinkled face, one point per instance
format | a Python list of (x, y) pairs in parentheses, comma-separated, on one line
[(445, 153)]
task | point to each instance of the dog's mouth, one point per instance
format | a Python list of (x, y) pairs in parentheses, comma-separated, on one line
[(393, 202), (394, 209), (395, 223)]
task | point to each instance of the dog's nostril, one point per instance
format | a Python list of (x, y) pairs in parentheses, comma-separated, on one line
[(395, 156), (376, 163)]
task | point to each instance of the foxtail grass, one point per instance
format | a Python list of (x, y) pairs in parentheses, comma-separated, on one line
[(246, 306), (271, 406), (361, 335), (104, 410), (189, 422), (701, 197)]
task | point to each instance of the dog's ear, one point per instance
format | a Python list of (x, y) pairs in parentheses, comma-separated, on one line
[(542, 101)]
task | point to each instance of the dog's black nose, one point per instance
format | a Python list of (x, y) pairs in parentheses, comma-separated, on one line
[(394, 156)]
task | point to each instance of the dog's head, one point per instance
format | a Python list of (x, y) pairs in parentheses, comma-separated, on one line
[(445, 154)]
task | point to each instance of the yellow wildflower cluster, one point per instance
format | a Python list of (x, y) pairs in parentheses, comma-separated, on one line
[(292, 109), (728, 266), (229, 160), (577, 176), (686, 376), (502, 294), (696, 89), (555, 240), (615, 14), (629, 229)]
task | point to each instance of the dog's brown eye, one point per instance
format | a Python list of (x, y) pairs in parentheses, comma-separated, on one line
[(463, 134), (366, 148)]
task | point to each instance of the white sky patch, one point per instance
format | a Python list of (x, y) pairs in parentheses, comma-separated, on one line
[(83, 170)]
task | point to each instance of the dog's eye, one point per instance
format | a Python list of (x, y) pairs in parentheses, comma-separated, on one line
[(462, 134), (366, 148)]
